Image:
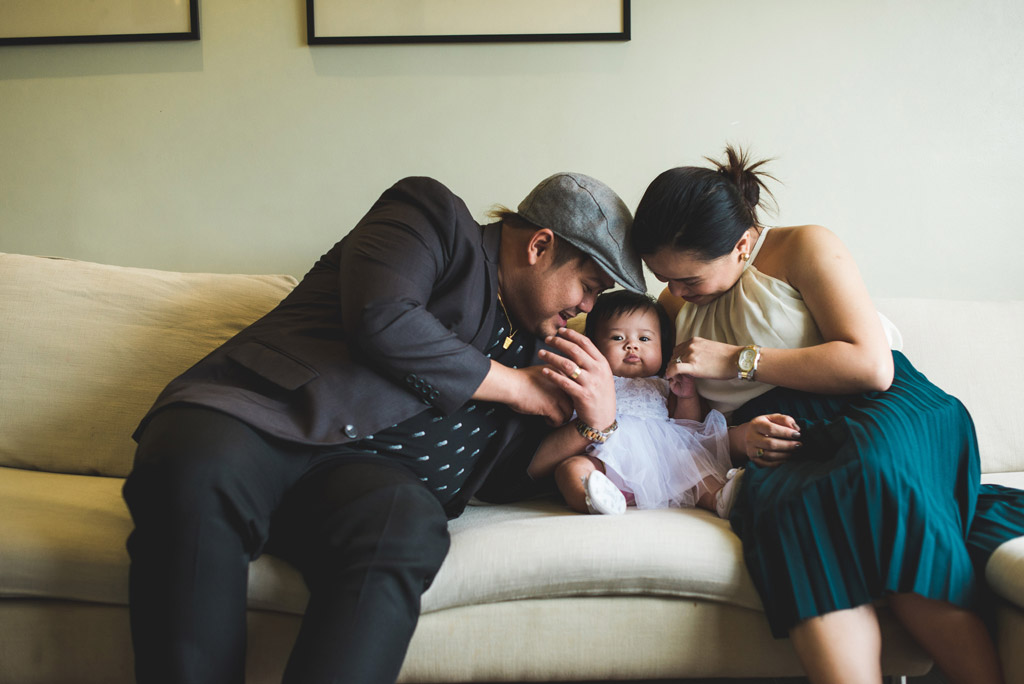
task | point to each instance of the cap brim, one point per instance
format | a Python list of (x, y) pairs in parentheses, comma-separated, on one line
[(620, 278)]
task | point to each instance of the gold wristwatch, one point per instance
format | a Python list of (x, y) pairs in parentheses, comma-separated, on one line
[(749, 356), (593, 434)]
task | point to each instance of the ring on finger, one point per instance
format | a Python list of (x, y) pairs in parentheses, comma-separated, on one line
[(679, 359), (576, 373), (759, 452)]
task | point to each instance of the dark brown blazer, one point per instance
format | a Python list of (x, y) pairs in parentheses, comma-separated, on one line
[(394, 317)]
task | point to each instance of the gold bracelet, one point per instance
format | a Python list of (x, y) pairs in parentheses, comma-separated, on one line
[(593, 434)]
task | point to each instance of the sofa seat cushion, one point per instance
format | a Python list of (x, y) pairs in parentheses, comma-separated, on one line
[(63, 536), (541, 549)]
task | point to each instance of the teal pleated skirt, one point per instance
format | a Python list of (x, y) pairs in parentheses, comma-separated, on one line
[(884, 496)]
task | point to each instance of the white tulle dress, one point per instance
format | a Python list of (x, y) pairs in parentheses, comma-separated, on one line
[(659, 460)]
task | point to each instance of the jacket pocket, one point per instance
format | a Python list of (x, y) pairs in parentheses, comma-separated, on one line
[(272, 364)]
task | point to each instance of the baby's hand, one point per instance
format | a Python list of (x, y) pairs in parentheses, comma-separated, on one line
[(682, 386)]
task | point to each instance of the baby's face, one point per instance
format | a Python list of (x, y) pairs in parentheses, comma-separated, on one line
[(632, 344)]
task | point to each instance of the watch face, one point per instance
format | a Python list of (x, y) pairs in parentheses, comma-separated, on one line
[(747, 359)]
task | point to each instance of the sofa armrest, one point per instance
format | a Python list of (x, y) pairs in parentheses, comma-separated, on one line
[(1005, 571)]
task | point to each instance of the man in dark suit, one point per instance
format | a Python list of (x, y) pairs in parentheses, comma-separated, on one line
[(345, 427)]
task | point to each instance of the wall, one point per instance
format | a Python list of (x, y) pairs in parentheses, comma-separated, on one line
[(895, 123)]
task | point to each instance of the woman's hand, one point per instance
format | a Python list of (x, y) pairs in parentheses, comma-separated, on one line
[(769, 440), (702, 358), (582, 372)]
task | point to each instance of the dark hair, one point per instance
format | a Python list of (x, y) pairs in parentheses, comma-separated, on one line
[(564, 252), (702, 210), (618, 302)]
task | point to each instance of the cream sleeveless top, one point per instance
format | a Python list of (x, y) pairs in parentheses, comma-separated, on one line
[(758, 309)]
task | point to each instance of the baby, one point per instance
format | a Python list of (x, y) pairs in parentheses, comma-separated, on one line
[(665, 453)]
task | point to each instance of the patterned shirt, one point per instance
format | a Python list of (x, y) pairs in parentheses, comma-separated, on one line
[(443, 450)]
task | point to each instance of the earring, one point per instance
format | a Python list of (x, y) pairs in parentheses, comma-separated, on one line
[(745, 256)]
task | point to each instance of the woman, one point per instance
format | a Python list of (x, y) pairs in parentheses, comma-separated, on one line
[(882, 484)]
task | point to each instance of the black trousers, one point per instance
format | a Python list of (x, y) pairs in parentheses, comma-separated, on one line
[(208, 494)]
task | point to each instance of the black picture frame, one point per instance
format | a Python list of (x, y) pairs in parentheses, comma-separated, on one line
[(38, 23), (317, 34)]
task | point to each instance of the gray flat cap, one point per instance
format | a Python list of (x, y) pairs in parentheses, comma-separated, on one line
[(588, 214)]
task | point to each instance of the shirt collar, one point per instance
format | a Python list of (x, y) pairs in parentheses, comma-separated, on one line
[(492, 241)]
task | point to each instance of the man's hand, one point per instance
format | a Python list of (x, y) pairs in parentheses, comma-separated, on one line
[(582, 372), (539, 396), (526, 390)]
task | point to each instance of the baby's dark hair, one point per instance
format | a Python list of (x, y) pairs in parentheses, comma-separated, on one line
[(612, 304)]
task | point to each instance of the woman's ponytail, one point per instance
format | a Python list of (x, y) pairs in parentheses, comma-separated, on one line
[(700, 209), (749, 181)]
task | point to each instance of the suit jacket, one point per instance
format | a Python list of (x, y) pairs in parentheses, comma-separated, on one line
[(393, 318)]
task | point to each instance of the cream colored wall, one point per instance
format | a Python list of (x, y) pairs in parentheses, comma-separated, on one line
[(897, 124)]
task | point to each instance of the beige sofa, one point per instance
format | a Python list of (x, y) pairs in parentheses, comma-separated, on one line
[(529, 591)]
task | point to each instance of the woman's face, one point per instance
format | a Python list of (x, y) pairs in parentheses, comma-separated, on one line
[(694, 279)]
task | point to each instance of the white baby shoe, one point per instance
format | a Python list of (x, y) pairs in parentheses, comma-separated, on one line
[(726, 496), (602, 495)]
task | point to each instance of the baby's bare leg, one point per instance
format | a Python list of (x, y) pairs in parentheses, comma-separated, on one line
[(569, 476)]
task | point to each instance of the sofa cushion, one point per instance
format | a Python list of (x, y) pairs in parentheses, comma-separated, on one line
[(63, 536), (87, 348), (541, 549)]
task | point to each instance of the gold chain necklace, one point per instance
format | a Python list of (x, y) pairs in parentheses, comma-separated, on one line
[(512, 333)]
